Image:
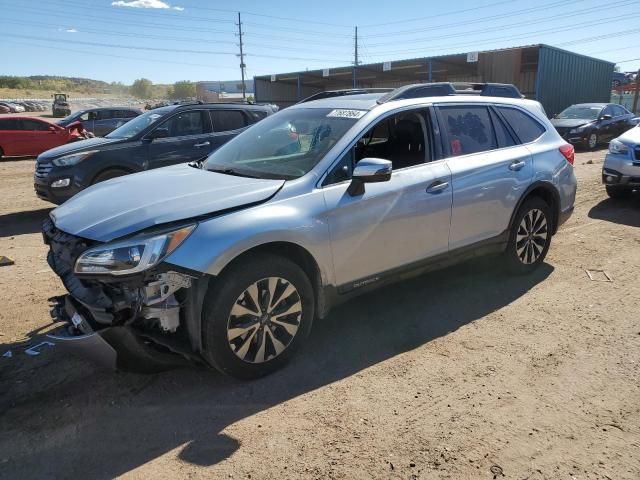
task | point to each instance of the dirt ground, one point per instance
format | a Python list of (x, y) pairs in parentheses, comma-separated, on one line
[(463, 373)]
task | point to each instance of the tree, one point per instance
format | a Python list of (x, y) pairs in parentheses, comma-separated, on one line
[(182, 90), (142, 88)]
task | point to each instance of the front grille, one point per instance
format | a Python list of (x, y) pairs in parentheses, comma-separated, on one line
[(43, 169)]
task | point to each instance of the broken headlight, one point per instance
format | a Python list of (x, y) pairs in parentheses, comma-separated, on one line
[(132, 255)]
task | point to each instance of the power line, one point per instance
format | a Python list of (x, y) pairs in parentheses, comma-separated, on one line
[(129, 47), (514, 25), (93, 54), (446, 14), (480, 19), (120, 34), (509, 37)]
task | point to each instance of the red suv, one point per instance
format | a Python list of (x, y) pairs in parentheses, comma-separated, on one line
[(28, 136)]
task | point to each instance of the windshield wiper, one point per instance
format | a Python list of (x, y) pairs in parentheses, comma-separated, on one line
[(231, 171)]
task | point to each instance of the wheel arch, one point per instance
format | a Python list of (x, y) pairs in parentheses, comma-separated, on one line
[(112, 167), (548, 193), (300, 256)]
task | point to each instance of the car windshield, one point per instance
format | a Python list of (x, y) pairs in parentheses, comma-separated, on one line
[(286, 145), (135, 126), (585, 112)]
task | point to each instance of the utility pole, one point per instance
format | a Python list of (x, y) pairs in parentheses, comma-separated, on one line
[(355, 62), (635, 94), (242, 65)]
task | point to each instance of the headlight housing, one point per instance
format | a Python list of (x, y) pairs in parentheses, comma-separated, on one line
[(617, 147), (72, 159), (133, 255)]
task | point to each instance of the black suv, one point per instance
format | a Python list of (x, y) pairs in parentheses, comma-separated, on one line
[(160, 137)]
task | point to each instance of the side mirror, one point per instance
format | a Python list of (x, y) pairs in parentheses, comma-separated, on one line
[(161, 132), (606, 117), (369, 170)]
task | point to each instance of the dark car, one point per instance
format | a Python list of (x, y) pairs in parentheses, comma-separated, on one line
[(101, 121), (590, 124), (158, 138)]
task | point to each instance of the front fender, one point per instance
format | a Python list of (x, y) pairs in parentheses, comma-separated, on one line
[(299, 220)]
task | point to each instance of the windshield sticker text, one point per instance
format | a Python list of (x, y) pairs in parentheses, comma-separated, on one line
[(347, 113)]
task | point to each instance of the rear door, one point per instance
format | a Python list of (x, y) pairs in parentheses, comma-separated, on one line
[(188, 139), (489, 170), (11, 137), (620, 115), (227, 123)]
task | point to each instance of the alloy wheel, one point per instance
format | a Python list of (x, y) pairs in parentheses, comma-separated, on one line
[(593, 140), (264, 320), (532, 236)]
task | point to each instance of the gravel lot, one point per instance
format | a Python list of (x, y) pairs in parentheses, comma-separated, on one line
[(463, 373)]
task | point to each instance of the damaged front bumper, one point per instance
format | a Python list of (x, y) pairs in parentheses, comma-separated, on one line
[(144, 322)]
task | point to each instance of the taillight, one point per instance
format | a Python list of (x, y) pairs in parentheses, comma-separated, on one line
[(568, 152)]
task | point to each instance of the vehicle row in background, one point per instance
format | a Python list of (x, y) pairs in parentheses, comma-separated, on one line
[(591, 124), (157, 138)]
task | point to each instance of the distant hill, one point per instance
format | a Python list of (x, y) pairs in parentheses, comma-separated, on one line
[(88, 86)]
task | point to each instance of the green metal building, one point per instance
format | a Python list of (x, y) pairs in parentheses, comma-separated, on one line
[(557, 78)]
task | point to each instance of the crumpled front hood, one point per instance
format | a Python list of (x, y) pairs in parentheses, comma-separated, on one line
[(631, 137), (128, 204), (569, 122), (68, 148)]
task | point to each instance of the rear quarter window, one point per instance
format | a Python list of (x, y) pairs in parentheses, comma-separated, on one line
[(10, 124), (526, 128)]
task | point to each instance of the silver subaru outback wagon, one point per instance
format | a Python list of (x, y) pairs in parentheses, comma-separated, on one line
[(228, 261)]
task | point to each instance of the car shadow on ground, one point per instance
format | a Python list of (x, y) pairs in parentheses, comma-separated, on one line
[(623, 211), (63, 418), (21, 223)]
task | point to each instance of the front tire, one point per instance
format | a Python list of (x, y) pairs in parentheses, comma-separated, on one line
[(256, 316), (530, 237), (592, 141)]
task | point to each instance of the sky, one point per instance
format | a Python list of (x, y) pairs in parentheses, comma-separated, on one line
[(170, 40)]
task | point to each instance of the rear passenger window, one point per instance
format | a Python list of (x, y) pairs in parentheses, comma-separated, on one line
[(468, 128), (185, 123), (527, 129), (226, 120), (256, 115)]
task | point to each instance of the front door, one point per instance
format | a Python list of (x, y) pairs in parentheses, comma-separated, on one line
[(489, 171), (393, 224), (184, 137)]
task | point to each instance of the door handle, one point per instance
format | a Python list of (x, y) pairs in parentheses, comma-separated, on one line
[(517, 165), (203, 144), (437, 186)]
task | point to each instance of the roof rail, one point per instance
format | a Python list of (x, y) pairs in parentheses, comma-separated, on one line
[(344, 92), (441, 89)]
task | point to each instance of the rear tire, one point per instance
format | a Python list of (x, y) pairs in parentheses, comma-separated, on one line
[(108, 175), (256, 316), (530, 237), (618, 192)]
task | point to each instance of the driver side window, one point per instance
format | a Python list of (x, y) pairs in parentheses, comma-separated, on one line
[(403, 139)]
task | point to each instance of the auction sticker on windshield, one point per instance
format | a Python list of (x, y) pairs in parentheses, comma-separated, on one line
[(347, 113)]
